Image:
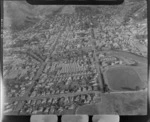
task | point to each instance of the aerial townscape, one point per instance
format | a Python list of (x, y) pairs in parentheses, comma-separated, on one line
[(75, 59)]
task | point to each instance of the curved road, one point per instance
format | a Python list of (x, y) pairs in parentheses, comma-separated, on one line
[(126, 55)]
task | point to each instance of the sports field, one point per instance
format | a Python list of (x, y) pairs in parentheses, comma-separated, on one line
[(123, 79)]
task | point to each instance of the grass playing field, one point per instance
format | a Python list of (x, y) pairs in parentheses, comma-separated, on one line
[(123, 79)]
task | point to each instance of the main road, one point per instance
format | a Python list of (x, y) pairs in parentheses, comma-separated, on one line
[(100, 77), (59, 95)]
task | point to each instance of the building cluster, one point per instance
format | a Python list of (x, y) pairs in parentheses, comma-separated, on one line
[(71, 67), (105, 60), (10, 107), (55, 105), (65, 83), (80, 40), (20, 78)]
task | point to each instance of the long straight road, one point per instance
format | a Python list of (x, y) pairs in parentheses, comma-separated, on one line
[(59, 95), (55, 43), (100, 79)]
